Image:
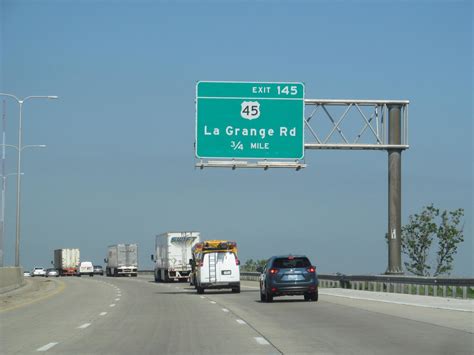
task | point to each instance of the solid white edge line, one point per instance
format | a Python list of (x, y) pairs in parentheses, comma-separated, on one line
[(261, 341), (46, 347), (240, 321), (321, 292), (84, 326), (102, 313), (397, 302)]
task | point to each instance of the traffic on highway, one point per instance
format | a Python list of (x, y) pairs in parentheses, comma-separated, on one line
[(195, 297), (125, 315)]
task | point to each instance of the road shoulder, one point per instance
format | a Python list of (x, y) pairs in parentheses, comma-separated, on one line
[(34, 290)]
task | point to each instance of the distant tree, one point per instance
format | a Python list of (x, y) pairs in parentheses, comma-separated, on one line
[(418, 236), (251, 265), (449, 236), (261, 263)]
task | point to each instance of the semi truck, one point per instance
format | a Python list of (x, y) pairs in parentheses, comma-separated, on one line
[(66, 261), (122, 260), (215, 266), (172, 253)]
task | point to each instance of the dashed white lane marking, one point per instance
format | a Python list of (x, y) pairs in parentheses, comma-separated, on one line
[(84, 326), (117, 299), (46, 347), (261, 341), (203, 297), (112, 305), (240, 321), (213, 302), (225, 309), (102, 313)]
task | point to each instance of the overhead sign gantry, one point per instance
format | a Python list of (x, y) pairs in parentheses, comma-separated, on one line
[(265, 122)]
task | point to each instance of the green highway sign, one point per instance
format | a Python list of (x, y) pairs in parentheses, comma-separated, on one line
[(249, 120)]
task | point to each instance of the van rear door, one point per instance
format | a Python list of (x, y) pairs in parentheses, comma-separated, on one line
[(227, 268)]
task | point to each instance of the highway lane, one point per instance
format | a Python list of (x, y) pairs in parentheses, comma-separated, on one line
[(142, 318), (343, 326), (151, 318), (53, 317)]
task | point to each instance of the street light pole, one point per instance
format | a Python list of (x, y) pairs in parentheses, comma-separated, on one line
[(18, 178)]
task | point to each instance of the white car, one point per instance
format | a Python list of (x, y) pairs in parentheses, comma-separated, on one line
[(85, 268), (38, 271), (52, 272)]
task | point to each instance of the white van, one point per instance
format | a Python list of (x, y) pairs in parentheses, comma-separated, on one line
[(85, 268), (217, 270)]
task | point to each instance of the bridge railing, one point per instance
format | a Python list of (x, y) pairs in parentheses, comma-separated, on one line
[(415, 285)]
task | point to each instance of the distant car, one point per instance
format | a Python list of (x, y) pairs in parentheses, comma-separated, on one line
[(26, 273), (98, 270), (85, 268), (288, 275), (38, 271), (52, 272)]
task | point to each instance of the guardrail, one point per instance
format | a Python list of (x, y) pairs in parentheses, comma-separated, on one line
[(428, 286)]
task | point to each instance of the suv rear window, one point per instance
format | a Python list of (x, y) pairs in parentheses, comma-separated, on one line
[(291, 263)]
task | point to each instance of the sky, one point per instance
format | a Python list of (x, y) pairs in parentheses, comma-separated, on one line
[(119, 166)]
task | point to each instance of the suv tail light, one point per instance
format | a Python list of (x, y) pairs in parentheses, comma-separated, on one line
[(273, 271), (311, 269)]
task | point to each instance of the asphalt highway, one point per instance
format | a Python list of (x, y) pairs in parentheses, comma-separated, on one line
[(102, 315)]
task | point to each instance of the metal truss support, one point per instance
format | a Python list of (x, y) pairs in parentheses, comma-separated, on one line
[(366, 125)]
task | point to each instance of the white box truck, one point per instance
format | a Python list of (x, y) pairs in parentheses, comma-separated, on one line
[(122, 260), (66, 261), (173, 251)]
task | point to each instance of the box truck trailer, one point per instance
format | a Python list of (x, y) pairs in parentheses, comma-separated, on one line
[(122, 260), (66, 261), (172, 254)]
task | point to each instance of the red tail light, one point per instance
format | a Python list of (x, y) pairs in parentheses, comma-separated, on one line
[(311, 269), (273, 271)]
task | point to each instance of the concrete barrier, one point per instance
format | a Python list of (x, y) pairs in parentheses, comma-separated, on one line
[(11, 278)]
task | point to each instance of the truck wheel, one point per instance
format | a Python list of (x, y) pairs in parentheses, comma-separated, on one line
[(236, 290), (200, 290)]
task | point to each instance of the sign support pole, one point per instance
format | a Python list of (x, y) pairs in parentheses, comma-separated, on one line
[(394, 191)]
